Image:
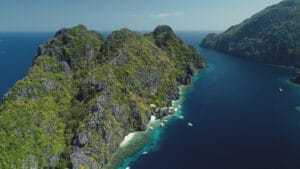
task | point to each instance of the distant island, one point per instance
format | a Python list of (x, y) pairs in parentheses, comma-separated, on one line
[(84, 93), (271, 36)]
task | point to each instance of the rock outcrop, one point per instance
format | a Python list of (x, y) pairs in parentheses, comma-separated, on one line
[(84, 93)]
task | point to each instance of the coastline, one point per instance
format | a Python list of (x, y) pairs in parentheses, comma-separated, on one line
[(290, 68), (126, 139), (296, 86), (131, 135), (138, 143), (288, 81), (293, 83), (284, 66)]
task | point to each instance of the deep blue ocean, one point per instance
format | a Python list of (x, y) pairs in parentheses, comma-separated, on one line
[(241, 119), (17, 51)]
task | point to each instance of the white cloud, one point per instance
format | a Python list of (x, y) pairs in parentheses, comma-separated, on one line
[(135, 16), (161, 15), (166, 14)]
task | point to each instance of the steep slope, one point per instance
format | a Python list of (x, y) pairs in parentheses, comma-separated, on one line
[(270, 36), (84, 93)]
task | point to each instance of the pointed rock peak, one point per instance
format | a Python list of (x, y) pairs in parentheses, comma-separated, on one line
[(76, 30), (123, 33), (125, 30), (79, 27), (160, 29)]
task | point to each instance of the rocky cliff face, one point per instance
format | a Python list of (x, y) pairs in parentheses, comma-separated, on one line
[(84, 93), (270, 36)]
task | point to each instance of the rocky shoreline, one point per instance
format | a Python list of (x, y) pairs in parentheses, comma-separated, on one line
[(87, 92), (140, 139)]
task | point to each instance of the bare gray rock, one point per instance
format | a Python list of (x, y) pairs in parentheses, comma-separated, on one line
[(50, 85), (79, 159), (119, 59), (81, 139)]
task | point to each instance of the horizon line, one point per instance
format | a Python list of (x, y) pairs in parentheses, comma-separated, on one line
[(53, 31)]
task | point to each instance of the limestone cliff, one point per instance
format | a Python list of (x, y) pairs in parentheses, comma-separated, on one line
[(84, 93)]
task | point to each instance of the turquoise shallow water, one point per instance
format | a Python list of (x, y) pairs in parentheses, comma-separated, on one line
[(149, 141)]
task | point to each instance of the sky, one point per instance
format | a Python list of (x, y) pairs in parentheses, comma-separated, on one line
[(106, 15)]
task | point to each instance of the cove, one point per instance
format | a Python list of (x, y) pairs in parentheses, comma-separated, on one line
[(241, 119)]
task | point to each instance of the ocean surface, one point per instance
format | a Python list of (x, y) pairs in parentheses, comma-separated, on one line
[(17, 51), (240, 118)]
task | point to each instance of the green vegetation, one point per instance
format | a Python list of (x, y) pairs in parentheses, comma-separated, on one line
[(84, 93), (270, 36), (31, 128)]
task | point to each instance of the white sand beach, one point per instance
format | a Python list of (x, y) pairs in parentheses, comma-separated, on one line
[(127, 139)]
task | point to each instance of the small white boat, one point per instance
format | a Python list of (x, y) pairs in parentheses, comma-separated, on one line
[(145, 152), (179, 106), (161, 124), (280, 89), (165, 120), (151, 128), (176, 109), (127, 168), (181, 117), (190, 124)]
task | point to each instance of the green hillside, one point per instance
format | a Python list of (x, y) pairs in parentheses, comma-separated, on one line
[(84, 93)]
